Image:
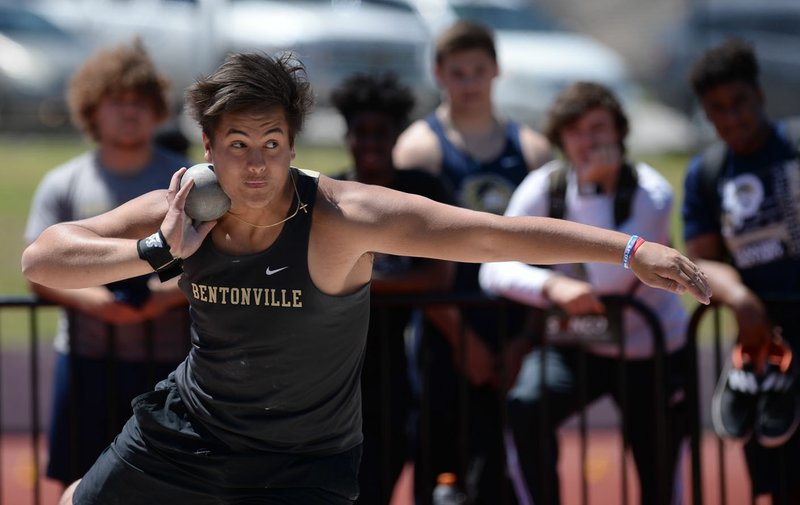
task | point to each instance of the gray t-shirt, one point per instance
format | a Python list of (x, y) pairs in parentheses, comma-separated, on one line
[(82, 188)]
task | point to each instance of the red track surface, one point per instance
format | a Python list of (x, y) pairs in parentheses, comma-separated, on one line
[(603, 473), (604, 477)]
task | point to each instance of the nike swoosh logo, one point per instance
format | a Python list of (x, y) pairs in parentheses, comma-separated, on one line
[(273, 272)]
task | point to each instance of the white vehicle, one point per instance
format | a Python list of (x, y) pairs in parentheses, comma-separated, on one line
[(773, 28), (333, 38), (36, 61)]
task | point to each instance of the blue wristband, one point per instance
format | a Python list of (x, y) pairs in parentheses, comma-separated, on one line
[(626, 256)]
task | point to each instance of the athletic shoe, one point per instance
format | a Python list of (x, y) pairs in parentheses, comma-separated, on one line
[(778, 410), (733, 405)]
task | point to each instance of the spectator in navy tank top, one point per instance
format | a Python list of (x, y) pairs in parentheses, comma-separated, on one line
[(481, 157)]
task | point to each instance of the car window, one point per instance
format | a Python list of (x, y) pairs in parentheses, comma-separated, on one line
[(21, 22), (394, 4), (774, 22), (501, 18)]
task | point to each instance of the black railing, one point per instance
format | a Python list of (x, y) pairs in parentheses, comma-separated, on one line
[(720, 354), (615, 306), (31, 307)]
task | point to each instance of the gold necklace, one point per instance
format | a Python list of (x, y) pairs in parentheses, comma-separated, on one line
[(300, 206)]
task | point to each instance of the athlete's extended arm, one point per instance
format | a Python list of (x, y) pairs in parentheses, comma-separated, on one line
[(103, 249), (409, 225)]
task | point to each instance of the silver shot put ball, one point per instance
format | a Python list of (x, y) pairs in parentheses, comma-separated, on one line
[(206, 201)]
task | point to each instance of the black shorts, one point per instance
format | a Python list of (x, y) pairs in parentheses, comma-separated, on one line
[(775, 469), (163, 456)]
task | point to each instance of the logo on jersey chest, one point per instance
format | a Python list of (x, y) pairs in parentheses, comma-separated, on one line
[(486, 192), (742, 197)]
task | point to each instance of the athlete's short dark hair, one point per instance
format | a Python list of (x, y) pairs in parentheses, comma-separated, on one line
[(463, 36), (374, 93), (576, 100), (112, 71), (732, 61), (253, 82)]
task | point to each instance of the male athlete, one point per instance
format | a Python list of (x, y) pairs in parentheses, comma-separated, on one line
[(266, 408)]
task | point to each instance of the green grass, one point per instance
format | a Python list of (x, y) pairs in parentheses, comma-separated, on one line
[(27, 158)]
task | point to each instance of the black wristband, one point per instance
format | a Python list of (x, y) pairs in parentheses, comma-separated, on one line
[(155, 250), (170, 270)]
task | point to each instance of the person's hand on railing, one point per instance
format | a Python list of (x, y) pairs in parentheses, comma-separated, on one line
[(574, 296), (510, 360), (101, 303), (476, 361), (164, 296), (755, 327), (470, 354)]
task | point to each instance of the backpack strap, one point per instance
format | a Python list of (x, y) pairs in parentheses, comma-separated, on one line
[(712, 162), (623, 197), (626, 189), (557, 195)]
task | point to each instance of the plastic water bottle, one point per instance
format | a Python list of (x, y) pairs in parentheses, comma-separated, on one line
[(446, 491)]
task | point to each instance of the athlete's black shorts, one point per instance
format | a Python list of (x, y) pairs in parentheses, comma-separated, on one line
[(163, 456)]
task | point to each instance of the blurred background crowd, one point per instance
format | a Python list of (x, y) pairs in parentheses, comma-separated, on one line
[(642, 50)]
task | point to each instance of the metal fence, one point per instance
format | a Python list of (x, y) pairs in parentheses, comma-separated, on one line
[(30, 307), (720, 344)]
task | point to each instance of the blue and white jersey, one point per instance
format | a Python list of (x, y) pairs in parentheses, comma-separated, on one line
[(757, 213)]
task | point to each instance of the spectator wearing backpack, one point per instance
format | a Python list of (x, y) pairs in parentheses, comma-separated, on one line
[(741, 215), (593, 183)]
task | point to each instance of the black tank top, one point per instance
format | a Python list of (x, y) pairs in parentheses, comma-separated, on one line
[(275, 363)]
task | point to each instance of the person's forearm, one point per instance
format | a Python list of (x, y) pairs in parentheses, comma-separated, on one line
[(69, 256), (167, 294), (725, 282), (447, 319), (71, 298), (516, 281)]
